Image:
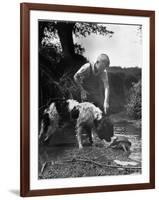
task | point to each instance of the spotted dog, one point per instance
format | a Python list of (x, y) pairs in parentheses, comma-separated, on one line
[(88, 119)]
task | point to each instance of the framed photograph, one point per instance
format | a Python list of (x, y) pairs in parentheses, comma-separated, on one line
[(87, 99)]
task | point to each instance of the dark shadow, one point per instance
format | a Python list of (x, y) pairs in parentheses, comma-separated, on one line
[(15, 192)]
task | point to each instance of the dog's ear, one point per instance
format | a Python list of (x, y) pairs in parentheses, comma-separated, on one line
[(74, 113)]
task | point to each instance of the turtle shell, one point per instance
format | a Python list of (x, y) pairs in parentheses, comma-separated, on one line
[(120, 139)]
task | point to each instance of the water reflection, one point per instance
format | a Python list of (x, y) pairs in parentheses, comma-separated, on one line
[(127, 128)]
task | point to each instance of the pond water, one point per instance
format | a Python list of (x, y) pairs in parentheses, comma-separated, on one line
[(127, 128), (133, 133)]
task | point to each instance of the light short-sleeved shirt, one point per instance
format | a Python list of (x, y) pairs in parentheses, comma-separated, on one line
[(93, 84)]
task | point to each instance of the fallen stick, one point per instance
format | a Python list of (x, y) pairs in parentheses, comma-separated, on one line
[(96, 163)]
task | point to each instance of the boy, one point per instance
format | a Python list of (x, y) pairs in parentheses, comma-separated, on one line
[(93, 82)]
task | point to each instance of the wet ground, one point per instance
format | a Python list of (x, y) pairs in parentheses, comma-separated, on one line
[(61, 158)]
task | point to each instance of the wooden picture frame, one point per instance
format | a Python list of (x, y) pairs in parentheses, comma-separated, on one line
[(26, 171)]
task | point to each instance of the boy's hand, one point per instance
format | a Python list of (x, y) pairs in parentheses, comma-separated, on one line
[(84, 95), (106, 106)]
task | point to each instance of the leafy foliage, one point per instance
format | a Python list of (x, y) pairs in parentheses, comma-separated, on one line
[(133, 106), (120, 82), (51, 39), (85, 29), (49, 33), (68, 87), (78, 49)]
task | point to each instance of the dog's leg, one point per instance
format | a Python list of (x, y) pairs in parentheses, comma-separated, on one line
[(78, 135), (90, 137), (93, 134)]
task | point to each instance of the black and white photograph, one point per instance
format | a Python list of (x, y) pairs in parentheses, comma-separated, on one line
[(89, 99)]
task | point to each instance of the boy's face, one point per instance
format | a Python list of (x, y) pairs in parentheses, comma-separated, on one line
[(100, 65)]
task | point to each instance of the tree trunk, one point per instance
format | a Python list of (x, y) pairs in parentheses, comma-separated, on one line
[(66, 38)]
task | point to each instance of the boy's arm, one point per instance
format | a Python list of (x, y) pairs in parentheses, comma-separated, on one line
[(81, 75), (106, 91)]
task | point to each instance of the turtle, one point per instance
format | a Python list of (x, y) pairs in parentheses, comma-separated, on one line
[(120, 142)]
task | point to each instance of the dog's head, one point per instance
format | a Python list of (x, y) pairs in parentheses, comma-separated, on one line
[(105, 129)]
